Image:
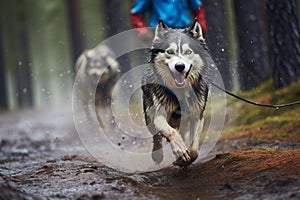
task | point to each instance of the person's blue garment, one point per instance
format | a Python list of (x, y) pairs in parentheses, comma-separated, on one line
[(174, 13)]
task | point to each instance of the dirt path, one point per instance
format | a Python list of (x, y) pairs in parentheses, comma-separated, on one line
[(41, 157)]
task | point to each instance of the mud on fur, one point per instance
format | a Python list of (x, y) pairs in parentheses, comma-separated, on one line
[(175, 90)]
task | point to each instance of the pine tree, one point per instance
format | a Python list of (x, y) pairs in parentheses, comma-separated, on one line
[(284, 41), (253, 63)]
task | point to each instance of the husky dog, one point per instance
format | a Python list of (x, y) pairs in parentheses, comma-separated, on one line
[(175, 90), (97, 72)]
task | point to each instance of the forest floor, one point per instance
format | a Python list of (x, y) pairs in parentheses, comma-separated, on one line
[(257, 157)]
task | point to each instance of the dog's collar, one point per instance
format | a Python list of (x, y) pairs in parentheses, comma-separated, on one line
[(168, 90)]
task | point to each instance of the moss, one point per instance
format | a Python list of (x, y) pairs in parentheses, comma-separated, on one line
[(273, 123), (230, 159)]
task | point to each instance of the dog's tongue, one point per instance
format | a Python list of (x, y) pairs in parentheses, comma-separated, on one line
[(179, 79)]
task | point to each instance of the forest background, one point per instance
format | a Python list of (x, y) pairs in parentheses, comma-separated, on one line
[(40, 40)]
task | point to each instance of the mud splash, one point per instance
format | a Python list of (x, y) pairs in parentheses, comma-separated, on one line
[(41, 157), (35, 171)]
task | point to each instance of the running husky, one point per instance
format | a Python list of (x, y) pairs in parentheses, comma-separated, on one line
[(97, 71), (175, 90)]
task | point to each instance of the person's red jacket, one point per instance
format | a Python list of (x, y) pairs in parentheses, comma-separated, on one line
[(138, 23), (200, 14)]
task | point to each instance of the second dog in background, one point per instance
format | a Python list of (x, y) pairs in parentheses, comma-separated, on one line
[(97, 73)]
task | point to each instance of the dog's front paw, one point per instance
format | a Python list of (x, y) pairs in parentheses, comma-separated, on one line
[(179, 148), (183, 163)]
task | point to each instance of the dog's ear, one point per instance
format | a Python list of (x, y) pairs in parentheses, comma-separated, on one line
[(112, 63), (89, 53), (160, 31), (196, 30)]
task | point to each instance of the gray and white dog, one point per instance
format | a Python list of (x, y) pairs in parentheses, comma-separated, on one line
[(97, 73), (175, 90)]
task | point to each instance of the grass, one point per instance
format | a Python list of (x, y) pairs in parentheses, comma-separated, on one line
[(270, 123), (230, 159)]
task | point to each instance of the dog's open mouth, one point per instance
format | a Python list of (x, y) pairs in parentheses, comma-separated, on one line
[(180, 79)]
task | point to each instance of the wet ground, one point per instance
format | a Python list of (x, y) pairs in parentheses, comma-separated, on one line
[(41, 157)]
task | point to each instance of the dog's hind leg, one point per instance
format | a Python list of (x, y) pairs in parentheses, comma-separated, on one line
[(157, 151), (196, 131), (100, 113)]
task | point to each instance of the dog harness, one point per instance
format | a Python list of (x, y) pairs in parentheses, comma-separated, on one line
[(183, 103)]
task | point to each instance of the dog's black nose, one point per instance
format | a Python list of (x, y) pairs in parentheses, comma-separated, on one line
[(179, 67), (95, 77)]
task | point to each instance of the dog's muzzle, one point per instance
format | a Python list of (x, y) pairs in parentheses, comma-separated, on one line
[(180, 75), (179, 67)]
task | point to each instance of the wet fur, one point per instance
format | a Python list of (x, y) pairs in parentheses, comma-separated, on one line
[(162, 100)]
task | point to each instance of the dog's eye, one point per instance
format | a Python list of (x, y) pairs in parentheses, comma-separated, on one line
[(188, 52), (170, 52)]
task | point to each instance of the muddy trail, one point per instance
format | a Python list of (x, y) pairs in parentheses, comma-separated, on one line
[(42, 157)]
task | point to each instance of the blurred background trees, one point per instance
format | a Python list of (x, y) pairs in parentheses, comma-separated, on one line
[(216, 38), (253, 66), (250, 41), (283, 26)]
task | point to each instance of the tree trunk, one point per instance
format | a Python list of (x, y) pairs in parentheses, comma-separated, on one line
[(16, 48), (115, 22), (75, 29), (113, 17), (3, 95), (24, 71), (284, 41), (216, 38), (253, 66)]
